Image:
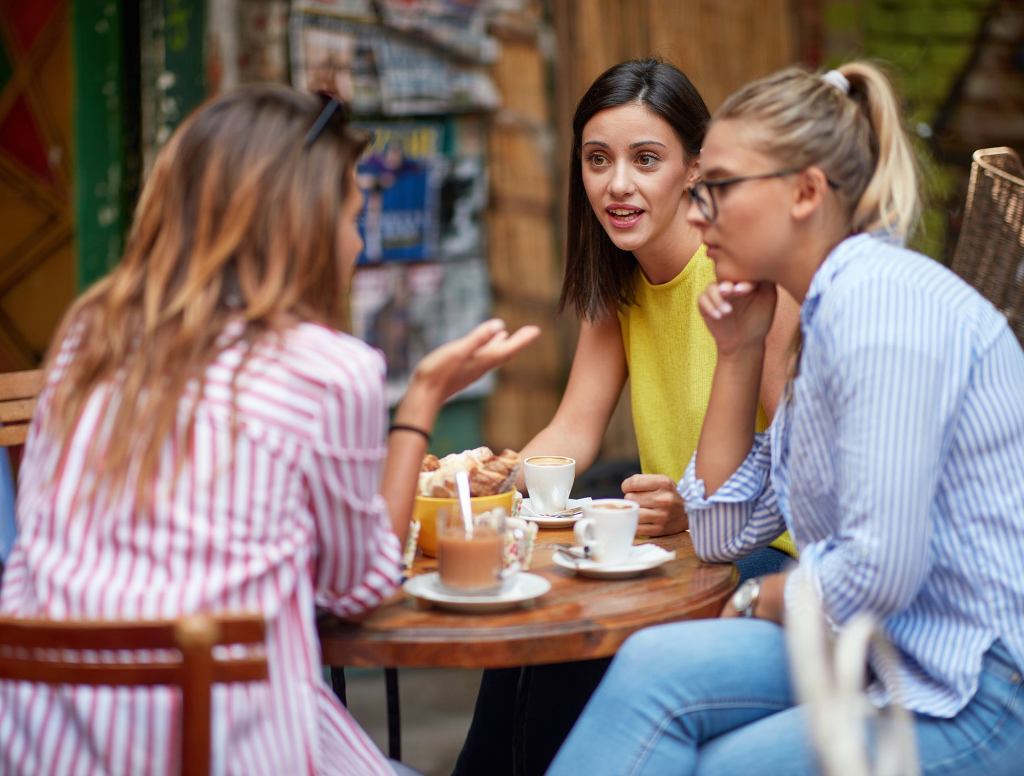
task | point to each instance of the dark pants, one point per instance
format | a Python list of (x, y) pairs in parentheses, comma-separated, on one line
[(767, 560), (523, 715)]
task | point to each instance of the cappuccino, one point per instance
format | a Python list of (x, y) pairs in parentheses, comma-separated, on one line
[(549, 460), (548, 480)]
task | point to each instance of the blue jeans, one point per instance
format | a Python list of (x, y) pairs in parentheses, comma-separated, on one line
[(713, 697)]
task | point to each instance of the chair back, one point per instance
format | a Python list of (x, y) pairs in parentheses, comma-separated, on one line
[(49, 652), (829, 670), (990, 250), (18, 392)]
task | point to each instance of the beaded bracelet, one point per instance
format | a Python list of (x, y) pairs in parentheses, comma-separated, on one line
[(413, 429)]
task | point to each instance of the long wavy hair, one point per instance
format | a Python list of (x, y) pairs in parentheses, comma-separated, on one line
[(238, 222), (599, 276)]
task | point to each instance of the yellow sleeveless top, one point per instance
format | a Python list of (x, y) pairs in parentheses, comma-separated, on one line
[(671, 357)]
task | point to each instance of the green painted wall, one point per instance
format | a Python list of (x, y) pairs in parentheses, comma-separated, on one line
[(100, 209), (926, 44), (132, 60)]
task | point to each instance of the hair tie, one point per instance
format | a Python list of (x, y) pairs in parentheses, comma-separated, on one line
[(838, 80)]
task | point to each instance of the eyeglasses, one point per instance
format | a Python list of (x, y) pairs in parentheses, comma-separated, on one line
[(332, 106), (703, 192)]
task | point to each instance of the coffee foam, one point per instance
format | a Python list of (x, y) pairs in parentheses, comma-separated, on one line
[(549, 460)]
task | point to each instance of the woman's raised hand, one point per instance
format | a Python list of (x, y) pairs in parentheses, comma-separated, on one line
[(738, 315), (456, 364)]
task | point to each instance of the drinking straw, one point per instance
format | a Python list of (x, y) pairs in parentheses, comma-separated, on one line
[(462, 486)]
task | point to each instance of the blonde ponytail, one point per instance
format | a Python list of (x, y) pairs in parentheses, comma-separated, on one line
[(854, 136), (890, 202)]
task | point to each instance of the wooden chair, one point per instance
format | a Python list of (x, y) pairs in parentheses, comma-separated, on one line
[(990, 250), (48, 652), (18, 392)]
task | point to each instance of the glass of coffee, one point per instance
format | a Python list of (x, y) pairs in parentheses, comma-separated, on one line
[(472, 562)]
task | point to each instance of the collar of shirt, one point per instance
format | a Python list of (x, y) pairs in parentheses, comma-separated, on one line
[(837, 260)]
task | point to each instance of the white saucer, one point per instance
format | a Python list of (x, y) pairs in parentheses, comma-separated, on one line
[(524, 587), (549, 521), (642, 557)]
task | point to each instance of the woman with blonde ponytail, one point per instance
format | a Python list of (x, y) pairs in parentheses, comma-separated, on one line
[(895, 460), (209, 440)]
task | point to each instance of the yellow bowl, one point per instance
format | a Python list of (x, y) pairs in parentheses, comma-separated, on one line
[(425, 510)]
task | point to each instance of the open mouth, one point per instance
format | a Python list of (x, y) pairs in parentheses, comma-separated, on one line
[(623, 217)]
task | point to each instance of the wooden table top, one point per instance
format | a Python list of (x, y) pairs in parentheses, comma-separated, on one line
[(580, 618)]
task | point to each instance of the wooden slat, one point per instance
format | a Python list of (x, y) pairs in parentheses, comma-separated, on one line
[(47, 634), (241, 629), (16, 410), (243, 669), (18, 391), (121, 635), (21, 385), (94, 674), (11, 436)]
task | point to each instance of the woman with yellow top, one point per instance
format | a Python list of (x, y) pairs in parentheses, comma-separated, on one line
[(634, 271)]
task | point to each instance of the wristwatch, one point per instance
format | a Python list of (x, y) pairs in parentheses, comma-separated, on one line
[(745, 598)]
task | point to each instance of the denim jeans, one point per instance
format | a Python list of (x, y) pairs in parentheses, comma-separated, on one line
[(714, 697)]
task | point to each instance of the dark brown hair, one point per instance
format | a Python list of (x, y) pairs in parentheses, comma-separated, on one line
[(599, 276), (238, 221)]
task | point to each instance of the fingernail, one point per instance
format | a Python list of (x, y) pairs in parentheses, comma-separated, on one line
[(726, 307)]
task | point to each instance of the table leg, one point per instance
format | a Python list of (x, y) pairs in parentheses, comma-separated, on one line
[(338, 684), (394, 714)]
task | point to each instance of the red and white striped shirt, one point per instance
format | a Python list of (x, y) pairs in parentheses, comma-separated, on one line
[(280, 517)]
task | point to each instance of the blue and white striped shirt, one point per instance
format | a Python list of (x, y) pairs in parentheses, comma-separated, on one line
[(898, 466)]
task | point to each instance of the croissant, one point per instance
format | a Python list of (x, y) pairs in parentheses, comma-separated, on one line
[(489, 474), (485, 483)]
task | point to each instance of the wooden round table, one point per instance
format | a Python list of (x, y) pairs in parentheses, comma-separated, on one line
[(578, 619)]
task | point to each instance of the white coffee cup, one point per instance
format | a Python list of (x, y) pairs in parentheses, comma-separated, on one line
[(607, 529), (549, 480)]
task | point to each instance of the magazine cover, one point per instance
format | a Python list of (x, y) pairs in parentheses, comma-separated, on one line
[(329, 55), (345, 9), (262, 35), (401, 174), (460, 26), (464, 191), (407, 311), (382, 71)]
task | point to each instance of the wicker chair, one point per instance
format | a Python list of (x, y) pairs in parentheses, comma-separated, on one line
[(990, 250)]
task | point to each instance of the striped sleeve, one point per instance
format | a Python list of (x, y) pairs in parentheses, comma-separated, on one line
[(889, 394), (742, 515), (358, 561)]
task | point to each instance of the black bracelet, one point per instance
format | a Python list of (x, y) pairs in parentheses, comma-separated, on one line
[(413, 429)]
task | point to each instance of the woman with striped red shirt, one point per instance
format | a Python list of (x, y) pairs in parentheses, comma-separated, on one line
[(208, 440)]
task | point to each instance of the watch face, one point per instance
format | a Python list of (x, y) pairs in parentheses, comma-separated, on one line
[(741, 600), (744, 596)]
